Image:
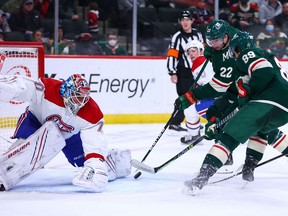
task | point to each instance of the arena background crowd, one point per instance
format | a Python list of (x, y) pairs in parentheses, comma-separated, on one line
[(104, 27)]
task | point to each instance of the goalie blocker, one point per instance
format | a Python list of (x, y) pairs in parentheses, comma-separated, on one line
[(25, 157)]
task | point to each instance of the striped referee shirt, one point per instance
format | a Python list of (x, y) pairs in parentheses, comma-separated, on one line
[(176, 55)]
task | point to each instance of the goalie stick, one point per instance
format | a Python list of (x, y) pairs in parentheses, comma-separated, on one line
[(138, 174), (141, 166), (239, 173)]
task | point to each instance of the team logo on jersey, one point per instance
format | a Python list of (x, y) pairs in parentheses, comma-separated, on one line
[(235, 36), (218, 25), (59, 122), (227, 55)]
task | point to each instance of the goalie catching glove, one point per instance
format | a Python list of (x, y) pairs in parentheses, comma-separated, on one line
[(93, 176), (184, 101)]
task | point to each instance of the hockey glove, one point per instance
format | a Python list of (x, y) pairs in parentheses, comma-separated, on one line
[(210, 129), (184, 101), (208, 53), (243, 93)]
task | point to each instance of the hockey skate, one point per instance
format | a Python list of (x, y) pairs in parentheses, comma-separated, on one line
[(175, 130), (229, 160), (188, 139), (248, 168), (191, 187)]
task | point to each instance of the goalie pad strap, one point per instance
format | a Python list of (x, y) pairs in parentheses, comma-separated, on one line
[(94, 155)]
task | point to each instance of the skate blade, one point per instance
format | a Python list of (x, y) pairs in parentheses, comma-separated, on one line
[(176, 133), (191, 191), (200, 143), (245, 184)]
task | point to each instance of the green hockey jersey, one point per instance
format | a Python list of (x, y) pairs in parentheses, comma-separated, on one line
[(223, 63), (267, 79)]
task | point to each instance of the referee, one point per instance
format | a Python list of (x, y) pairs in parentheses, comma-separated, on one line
[(179, 64)]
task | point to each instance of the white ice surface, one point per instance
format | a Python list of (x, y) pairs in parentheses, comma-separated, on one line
[(49, 191)]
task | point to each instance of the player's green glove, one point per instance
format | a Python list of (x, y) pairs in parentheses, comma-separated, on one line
[(184, 101), (210, 129), (208, 53), (243, 93)]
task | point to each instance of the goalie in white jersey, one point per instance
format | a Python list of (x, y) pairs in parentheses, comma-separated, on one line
[(195, 50), (80, 121)]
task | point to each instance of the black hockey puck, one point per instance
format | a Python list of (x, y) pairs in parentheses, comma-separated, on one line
[(137, 175)]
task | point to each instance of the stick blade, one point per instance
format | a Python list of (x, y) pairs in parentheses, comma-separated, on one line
[(143, 167)]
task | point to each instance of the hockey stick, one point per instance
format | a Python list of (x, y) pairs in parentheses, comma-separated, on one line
[(138, 174), (258, 165), (141, 166), (199, 74)]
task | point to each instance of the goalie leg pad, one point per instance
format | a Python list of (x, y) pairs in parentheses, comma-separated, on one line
[(118, 163), (25, 157)]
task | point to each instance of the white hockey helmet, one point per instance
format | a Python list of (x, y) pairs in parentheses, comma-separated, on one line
[(75, 92), (194, 44)]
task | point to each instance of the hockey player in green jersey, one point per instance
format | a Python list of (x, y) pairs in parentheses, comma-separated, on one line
[(262, 94), (219, 36)]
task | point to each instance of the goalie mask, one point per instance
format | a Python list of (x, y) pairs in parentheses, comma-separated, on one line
[(75, 92)]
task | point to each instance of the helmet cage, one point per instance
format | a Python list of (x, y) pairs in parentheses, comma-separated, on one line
[(75, 92)]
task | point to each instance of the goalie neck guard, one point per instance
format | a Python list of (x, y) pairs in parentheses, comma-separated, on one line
[(75, 92)]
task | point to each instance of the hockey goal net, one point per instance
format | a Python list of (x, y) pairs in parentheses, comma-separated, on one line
[(24, 58)]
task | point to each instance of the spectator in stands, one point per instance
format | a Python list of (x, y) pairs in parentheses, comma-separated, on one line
[(65, 46), (68, 9), (271, 31), (11, 6), (92, 17), (282, 19), (85, 45), (108, 11), (244, 15), (273, 39), (4, 26), (259, 2), (201, 14), (157, 3), (2, 36), (112, 47), (125, 13), (37, 36), (45, 8), (2, 2), (25, 19), (269, 10)]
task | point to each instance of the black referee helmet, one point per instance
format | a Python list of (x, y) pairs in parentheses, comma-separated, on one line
[(185, 14)]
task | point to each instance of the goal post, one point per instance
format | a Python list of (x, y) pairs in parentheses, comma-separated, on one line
[(22, 58)]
